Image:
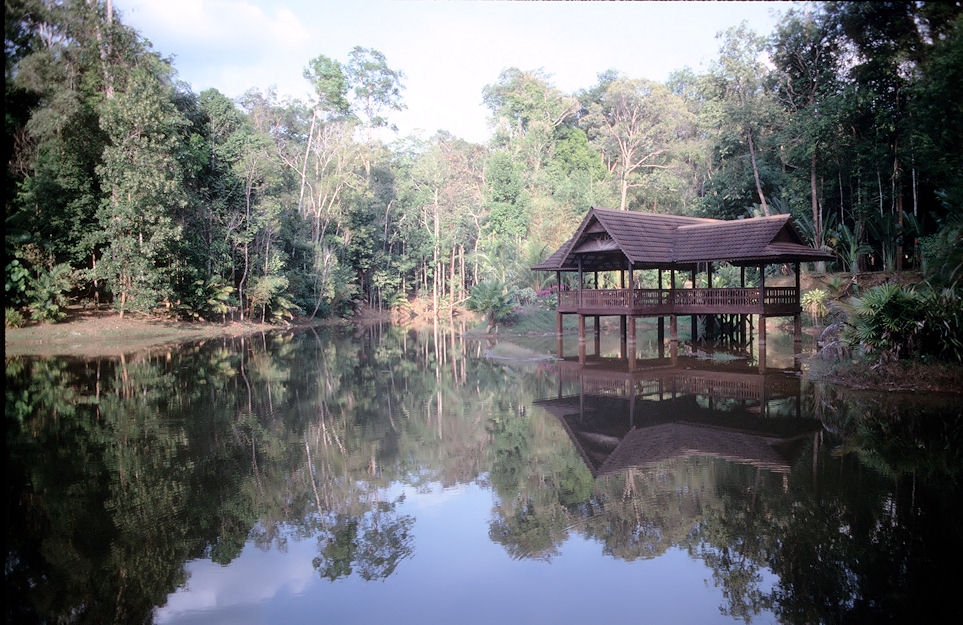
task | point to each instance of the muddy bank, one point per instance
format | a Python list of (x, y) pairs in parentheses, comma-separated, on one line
[(102, 333)]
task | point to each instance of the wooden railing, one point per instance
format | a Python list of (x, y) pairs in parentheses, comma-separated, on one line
[(776, 300)]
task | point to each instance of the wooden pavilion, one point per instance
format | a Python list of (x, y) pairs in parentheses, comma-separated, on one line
[(623, 241)]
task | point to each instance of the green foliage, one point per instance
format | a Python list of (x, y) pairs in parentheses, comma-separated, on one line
[(942, 332), (887, 321), (47, 293), (492, 299), (16, 282), (838, 286), (144, 189), (13, 318), (270, 293), (814, 303), (848, 249), (147, 188), (942, 254), (209, 297)]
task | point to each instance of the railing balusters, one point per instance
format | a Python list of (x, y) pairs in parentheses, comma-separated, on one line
[(679, 301)]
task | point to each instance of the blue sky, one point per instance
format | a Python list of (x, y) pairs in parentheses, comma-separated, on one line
[(448, 51)]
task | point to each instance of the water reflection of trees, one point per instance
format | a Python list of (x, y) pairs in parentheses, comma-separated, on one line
[(120, 471)]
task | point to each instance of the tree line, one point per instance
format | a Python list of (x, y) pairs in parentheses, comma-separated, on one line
[(125, 187)]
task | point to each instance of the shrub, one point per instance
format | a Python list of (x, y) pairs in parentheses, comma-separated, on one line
[(892, 321), (493, 300), (270, 293), (942, 333), (15, 285), (942, 254), (838, 285), (47, 292), (887, 321), (13, 318), (208, 298), (814, 303)]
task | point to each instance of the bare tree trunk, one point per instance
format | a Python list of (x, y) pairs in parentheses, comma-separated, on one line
[(898, 196), (304, 165), (105, 49), (817, 212), (451, 284), (624, 190), (755, 173), (434, 251)]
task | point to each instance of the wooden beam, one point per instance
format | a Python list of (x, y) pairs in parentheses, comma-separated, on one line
[(631, 291)]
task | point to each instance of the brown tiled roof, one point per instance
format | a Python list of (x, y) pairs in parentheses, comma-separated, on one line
[(650, 240)]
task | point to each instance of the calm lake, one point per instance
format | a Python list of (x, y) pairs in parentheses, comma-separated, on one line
[(383, 475)]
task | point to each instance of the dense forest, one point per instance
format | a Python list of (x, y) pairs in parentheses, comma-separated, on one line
[(125, 188)]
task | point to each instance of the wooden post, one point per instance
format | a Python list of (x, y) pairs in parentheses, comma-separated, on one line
[(581, 282), (797, 318), (598, 336), (631, 342), (762, 346), (742, 318), (673, 329), (558, 290), (631, 288), (797, 333), (762, 289), (796, 270), (762, 309), (710, 318), (581, 339), (694, 319), (622, 336), (661, 329)]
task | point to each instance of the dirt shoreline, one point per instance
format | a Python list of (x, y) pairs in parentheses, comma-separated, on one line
[(94, 334)]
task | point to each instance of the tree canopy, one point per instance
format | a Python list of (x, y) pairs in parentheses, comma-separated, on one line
[(144, 196)]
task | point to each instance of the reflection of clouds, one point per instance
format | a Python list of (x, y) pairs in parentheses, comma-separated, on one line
[(436, 496), (254, 577)]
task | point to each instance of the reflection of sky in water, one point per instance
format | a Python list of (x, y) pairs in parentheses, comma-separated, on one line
[(455, 575)]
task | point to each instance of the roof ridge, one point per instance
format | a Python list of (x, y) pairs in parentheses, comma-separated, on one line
[(783, 217)]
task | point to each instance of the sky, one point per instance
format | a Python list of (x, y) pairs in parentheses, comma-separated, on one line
[(448, 51)]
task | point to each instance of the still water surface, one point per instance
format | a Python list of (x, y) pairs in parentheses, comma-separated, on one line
[(385, 476)]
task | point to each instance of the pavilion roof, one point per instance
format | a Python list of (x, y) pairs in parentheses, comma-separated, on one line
[(606, 238)]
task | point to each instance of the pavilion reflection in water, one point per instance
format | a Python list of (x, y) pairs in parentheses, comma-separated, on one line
[(661, 409)]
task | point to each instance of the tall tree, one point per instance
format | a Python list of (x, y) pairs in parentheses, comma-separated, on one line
[(638, 124), (805, 55), (143, 184), (748, 108), (375, 87)]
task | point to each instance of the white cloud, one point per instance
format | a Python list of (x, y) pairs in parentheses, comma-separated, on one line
[(251, 579)]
